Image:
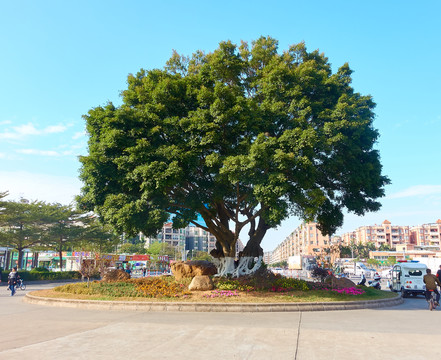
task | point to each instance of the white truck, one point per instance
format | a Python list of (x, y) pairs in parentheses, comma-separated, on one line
[(407, 278), (356, 269), (302, 262)]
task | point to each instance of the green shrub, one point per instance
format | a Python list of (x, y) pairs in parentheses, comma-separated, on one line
[(291, 284), (48, 275), (154, 287)]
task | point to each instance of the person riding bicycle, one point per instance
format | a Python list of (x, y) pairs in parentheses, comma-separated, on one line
[(431, 282)]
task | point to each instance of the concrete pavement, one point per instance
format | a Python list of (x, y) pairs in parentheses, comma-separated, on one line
[(407, 331)]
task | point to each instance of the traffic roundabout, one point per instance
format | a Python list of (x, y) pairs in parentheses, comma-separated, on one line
[(33, 298)]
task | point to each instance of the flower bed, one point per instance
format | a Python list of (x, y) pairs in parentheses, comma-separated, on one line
[(262, 287)]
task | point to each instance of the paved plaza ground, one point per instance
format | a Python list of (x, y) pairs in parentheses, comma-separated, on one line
[(407, 331)]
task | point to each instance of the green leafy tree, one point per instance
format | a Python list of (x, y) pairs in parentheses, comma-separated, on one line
[(362, 250), (345, 251), (98, 237), (385, 247), (130, 248), (242, 137), (201, 255), (23, 225), (373, 262), (65, 228)]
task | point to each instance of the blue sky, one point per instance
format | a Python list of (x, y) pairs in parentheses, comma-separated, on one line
[(59, 59)]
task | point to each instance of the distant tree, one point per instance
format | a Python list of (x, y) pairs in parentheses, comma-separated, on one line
[(373, 262), (160, 248), (89, 268), (133, 248), (362, 250), (98, 237), (345, 251), (202, 255), (384, 247), (242, 137), (23, 225), (391, 260), (65, 227), (281, 264)]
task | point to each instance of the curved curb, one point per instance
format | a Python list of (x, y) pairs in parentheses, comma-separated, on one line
[(212, 307)]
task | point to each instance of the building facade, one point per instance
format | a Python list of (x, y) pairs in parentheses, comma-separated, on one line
[(426, 235), (306, 239), (384, 234), (188, 239)]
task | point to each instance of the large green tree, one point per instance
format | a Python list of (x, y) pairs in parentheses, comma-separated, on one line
[(244, 136)]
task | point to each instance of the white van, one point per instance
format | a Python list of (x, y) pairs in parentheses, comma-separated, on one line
[(407, 278), (357, 269)]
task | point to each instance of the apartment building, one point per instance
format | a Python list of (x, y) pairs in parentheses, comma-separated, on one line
[(199, 239), (426, 235), (306, 239), (189, 238), (386, 233), (168, 235)]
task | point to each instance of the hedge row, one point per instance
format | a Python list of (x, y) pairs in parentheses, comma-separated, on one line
[(44, 275)]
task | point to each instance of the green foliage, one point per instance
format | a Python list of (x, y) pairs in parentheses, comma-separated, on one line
[(132, 249), (229, 284), (35, 275), (114, 289), (160, 248), (158, 287), (40, 269), (240, 136), (385, 247), (262, 280), (373, 262), (154, 287), (201, 255), (290, 284), (281, 264)]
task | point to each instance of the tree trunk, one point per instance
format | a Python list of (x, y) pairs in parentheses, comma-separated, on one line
[(250, 259), (60, 253), (20, 258)]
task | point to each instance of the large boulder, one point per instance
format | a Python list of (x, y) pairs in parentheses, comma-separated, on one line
[(201, 283), (115, 275), (339, 282), (190, 269)]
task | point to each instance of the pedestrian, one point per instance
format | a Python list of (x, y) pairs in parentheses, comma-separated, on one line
[(12, 280), (438, 273), (144, 271), (128, 270)]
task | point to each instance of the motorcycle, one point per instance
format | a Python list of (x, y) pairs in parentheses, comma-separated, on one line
[(362, 281), (376, 283)]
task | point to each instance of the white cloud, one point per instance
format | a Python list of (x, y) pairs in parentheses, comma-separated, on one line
[(417, 190), (78, 135), (44, 152), (38, 152), (33, 186), (5, 122), (54, 129), (22, 131)]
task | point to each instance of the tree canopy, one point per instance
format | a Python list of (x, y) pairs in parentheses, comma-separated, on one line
[(242, 136)]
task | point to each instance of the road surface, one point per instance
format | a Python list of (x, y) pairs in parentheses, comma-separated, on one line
[(408, 331)]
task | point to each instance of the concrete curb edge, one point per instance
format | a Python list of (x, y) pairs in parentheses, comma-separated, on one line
[(212, 307)]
